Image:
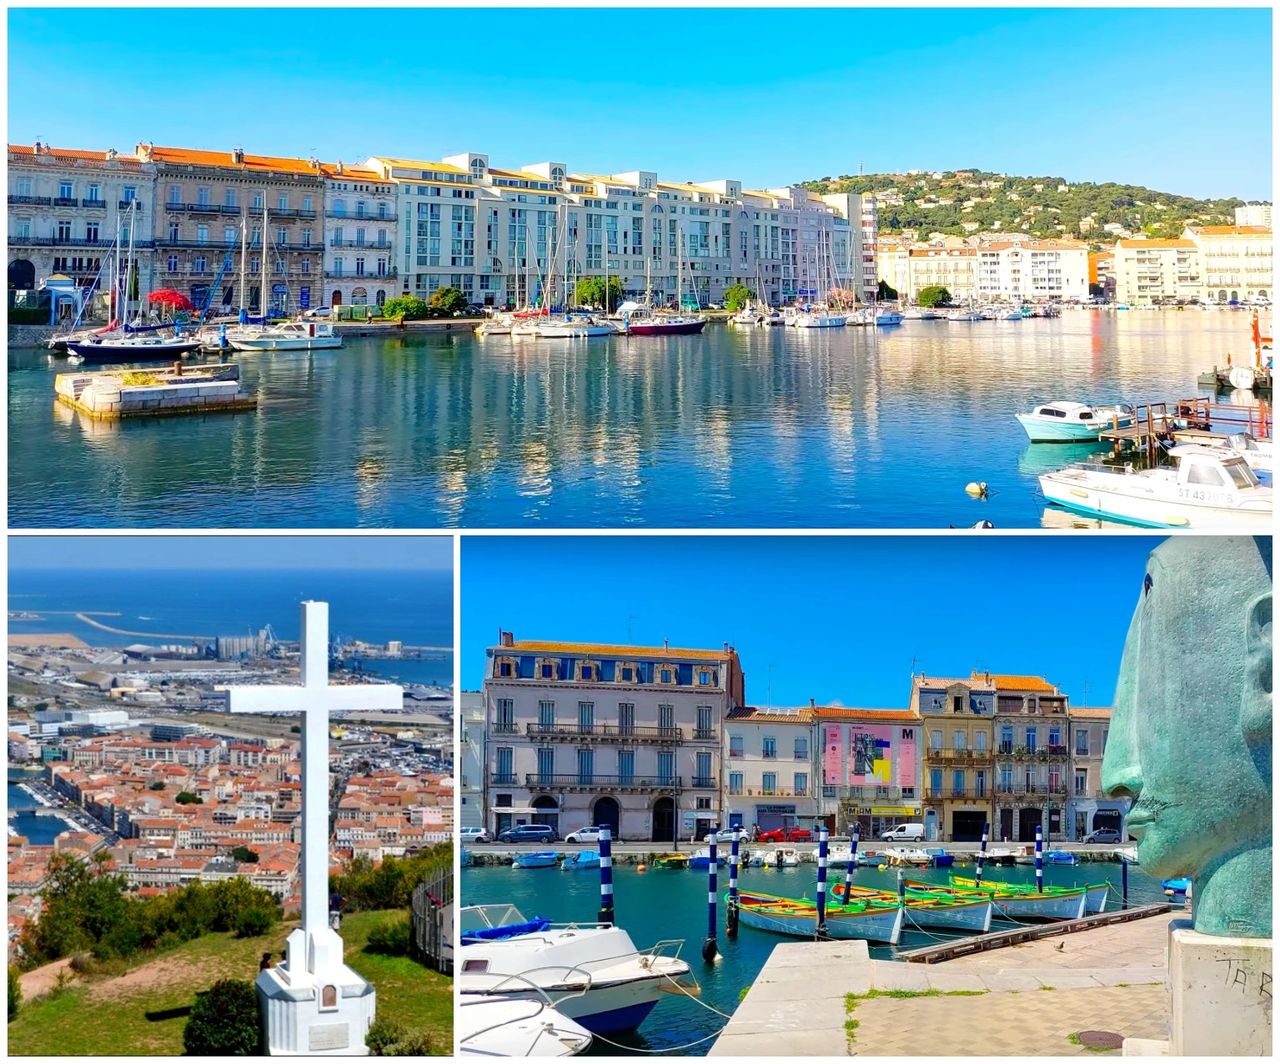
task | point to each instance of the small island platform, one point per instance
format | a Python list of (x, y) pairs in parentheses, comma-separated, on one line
[(108, 395)]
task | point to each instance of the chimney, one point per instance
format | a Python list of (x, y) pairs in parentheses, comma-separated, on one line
[(237, 156), (339, 167), (812, 704), (666, 644), (504, 639)]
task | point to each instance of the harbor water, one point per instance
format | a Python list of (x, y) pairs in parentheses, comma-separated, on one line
[(20, 809), (737, 427), (667, 903)]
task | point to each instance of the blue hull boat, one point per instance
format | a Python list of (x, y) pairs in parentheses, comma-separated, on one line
[(585, 860), (537, 859), (1176, 887)]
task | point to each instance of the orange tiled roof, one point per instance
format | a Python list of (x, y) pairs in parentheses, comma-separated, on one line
[(1233, 230), (534, 646), (1090, 712), (68, 153), (845, 713), (801, 715), (1020, 683), (251, 164), (1162, 243)]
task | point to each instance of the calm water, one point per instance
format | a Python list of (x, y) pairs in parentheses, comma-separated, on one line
[(414, 606), (38, 830), (735, 428), (663, 904)]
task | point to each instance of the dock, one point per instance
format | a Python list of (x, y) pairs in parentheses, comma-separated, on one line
[(110, 395), (1156, 425)]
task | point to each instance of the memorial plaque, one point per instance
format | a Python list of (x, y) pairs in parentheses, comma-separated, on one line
[(328, 1036)]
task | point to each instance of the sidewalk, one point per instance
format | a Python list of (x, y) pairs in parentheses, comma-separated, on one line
[(1028, 999)]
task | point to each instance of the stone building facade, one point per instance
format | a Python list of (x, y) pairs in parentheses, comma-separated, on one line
[(957, 773)]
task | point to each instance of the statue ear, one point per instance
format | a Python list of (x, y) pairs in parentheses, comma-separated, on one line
[(1255, 716)]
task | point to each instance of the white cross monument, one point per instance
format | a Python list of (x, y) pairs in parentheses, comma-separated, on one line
[(314, 1004)]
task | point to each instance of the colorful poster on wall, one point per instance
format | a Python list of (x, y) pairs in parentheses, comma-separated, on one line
[(871, 755), (906, 757), (831, 754)]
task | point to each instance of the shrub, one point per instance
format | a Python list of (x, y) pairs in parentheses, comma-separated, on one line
[(156, 785), (391, 937), (448, 300), (15, 993), (187, 798), (224, 1021), (389, 1039), (253, 921), (409, 308), (736, 296)]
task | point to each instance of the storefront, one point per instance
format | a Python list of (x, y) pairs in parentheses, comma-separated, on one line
[(874, 820)]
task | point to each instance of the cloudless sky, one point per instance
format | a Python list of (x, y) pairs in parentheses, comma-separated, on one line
[(1175, 99), (236, 553), (839, 619)]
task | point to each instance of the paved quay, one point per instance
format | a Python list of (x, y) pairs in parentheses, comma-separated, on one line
[(1045, 997)]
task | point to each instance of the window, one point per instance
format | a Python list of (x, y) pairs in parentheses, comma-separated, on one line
[(282, 203), (586, 766), (1082, 783), (258, 201), (769, 746), (1031, 740), (503, 757), (228, 234), (702, 769), (704, 726), (587, 672), (91, 232), (802, 748), (307, 204), (202, 197), (979, 784), (935, 782), (229, 197), (980, 743), (65, 190), (1104, 740), (957, 703), (586, 717), (1204, 474), (626, 718), (173, 263), (202, 234), (95, 193), (64, 231), (769, 783), (546, 764), (1006, 738), (935, 740), (704, 677), (546, 670), (957, 783), (505, 720), (1055, 736), (667, 719), (130, 193), (958, 740), (626, 766), (24, 186), (505, 668), (666, 766), (801, 784), (735, 782), (735, 745), (666, 676), (1006, 777)]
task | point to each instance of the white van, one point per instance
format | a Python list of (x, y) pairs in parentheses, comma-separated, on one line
[(903, 833)]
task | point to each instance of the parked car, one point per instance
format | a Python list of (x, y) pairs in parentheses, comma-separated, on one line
[(1103, 835), (528, 833), (589, 834), (903, 833), (727, 834), (787, 835), (474, 835)]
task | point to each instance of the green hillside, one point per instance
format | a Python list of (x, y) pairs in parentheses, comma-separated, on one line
[(1042, 206), (110, 1015)]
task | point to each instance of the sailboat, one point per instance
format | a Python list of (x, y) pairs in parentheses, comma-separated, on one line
[(568, 325), (819, 315), (646, 322), (124, 346)]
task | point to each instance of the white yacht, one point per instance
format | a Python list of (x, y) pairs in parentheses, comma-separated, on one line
[(1208, 488), (289, 336), (591, 973), (1069, 422), (571, 326), (888, 317), (820, 319), (501, 1027)]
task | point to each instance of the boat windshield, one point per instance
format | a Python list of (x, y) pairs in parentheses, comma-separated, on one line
[(473, 917), (1240, 473)]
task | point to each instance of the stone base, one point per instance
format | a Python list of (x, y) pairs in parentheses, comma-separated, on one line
[(1144, 1047), (1219, 994), (326, 1012)]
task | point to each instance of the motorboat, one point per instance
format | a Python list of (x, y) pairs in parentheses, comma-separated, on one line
[(1126, 853), (939, 857), (965, 315), (998, 855), (571, 326), (898, 856), (701, 858), (288, 336), (873, 919), (1021, 901), (924, 909), (663, 325), (671, 860), (145, 348), (1012, 315), (1060, 857), (582, 861), (592, 973), (500, 1027), (1207, 488), (499, 325), (536, 859), (820, 319), (887, 317), (749, 315), (1068, 422), (1256, 453)]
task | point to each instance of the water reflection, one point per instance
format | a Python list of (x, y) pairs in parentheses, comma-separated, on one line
[(736, 428)]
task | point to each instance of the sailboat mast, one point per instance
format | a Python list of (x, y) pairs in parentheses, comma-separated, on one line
[(265, 273), (244, 262), (113, 303), (129, 265)]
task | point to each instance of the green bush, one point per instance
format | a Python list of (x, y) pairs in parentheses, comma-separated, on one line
[(224, 1022), (448, 300), (156, 785), (15, 993), (253, 921), (409, 308), (934, 295), (736, 296), (391, 937), (389, 1039), (187, 798)]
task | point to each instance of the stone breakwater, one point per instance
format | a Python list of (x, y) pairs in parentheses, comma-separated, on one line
[(108, 395)]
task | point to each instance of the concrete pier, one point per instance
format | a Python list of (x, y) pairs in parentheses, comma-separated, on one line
[(108, 395)]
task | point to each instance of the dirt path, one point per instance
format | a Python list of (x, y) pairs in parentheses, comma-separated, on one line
[(41, 980)]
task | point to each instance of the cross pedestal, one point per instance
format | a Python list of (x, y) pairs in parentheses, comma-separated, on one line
[(312, 1003)]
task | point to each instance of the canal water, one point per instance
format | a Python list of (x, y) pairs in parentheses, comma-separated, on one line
[(665, 904), (20, 806), (740, 428)]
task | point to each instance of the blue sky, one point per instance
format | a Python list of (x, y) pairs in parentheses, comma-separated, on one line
[(239, 553), (840, 619), (1176, 99)]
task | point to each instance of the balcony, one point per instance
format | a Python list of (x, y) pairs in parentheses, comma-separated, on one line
[(623, 733), (351, 275), (64, 201), (939, 754), (125, 204), (576, 781), (886, 794), (773, 792), (361, 244), (31, 201), (704, 783), (1018, 790), (939, 794), (704, 734), (211, 245), (504, 727), (202, 208), (96, 204), (502, 779), (292, 212), (343, 216)]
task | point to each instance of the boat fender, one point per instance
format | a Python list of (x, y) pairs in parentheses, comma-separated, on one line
[(984, 524), (642, 868), (731, 920), (709, 950), (976, 488)]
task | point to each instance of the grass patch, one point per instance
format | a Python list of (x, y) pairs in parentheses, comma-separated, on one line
[(1074, 1039), (742, 994), (851, 1002), (54, 1025), (1046, 988)]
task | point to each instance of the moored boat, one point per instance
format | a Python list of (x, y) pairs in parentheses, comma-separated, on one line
[(583, 860), (871, 919), (671, 860), (1068, 422), (701, 858), (288, 336), (536, 859), (498, 1027), (927, 910), (147, 348), (1024, 902)]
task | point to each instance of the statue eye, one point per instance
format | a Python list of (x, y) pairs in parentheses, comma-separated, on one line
[(1146, 585)]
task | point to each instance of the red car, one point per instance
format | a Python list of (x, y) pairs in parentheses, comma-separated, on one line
[(787, 835)]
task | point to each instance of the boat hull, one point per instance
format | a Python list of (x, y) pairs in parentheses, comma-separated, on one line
[(1028, 904), (265, 343), (967, 915), (1093, 499), (684, 328), (786, 916), (535, 860), (100, 353), (1060, 430)]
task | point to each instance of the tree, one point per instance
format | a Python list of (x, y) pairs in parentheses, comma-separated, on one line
[(187, 798), (245, 855), (597, 292), (448, 300), (253, 921), (15, 993), (406, 308), (736, 296), (224, 1021), (155, 785), (884, 293), (934, 295)]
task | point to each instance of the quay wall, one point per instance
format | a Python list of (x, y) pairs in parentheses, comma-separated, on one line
[(30, 335)]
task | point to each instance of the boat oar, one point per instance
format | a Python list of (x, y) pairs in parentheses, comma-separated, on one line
[(606, 878), (709, 948)]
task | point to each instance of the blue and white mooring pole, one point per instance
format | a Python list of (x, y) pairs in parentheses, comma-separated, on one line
[(902, 889), (709, 948), (853, 860), (982, 852), (731, 908), (822, 882), (606, 878), (1039, 858)]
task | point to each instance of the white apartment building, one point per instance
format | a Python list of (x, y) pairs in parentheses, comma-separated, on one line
[(1254, 214), (587, 733), (1089, 807), (893, 265), (502, 236), (1236, 262), (1149, 272), (65, 209), (954, 268), (1031, 269), (471, 761), (768, 768), (359, 236)]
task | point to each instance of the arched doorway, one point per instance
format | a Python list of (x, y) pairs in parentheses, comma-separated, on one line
[(546, 810), (22, 274), (605, 813), (336, 299), (664, 820), (359, 297)]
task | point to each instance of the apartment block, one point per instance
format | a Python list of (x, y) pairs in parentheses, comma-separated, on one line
[(768, 768), (957, 772), (1032, 758), (869, 763), (587, 733), (1150, 272), (1089, 807), (360, 230), (1236, 262)]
